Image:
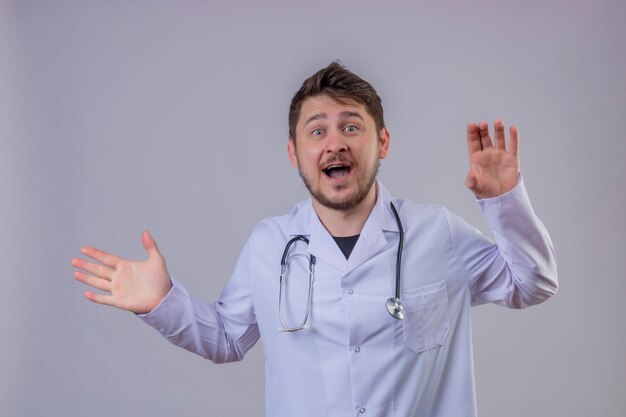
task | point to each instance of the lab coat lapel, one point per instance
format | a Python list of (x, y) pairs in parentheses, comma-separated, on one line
[(372, 239), (321, 244)]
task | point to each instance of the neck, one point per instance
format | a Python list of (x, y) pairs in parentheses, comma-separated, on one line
[(340, 223)]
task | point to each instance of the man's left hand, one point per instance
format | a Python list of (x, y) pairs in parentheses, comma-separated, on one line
[(494, 169)]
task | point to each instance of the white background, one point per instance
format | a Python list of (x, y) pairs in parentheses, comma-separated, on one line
[(171, 116)]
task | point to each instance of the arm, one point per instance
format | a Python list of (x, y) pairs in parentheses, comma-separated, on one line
[(145, 288), (521, 269), (223, 331)]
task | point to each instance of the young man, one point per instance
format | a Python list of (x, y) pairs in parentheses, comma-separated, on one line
[(336, 344)]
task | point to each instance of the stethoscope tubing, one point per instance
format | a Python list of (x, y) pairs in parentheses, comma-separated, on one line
[(400, 246), (394, 305), (283, 270)]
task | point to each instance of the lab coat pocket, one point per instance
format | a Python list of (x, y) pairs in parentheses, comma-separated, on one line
[(426, 322)]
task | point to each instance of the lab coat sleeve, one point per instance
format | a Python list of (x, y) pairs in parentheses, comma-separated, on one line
[(223, 331), (519, 270)]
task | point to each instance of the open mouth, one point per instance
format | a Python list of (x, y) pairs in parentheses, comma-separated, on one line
[(337, 171)]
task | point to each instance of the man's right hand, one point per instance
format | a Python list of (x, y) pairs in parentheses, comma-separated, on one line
[(137, 286)]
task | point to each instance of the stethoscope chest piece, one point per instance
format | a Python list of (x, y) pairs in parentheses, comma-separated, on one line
[(395, 308)]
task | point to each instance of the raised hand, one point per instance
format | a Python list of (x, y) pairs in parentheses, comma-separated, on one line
[(494, 169), (136, 286)]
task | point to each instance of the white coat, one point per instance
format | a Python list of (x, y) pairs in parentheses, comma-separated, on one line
[(355, 359)]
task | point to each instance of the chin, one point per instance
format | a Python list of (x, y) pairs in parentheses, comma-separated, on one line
[(340, 202)]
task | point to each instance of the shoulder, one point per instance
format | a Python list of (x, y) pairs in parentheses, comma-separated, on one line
[(421, 214), (282, 225), (434, 225)]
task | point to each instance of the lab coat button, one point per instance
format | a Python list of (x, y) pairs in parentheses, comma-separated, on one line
[(362, 410), (357, 349), (350, 291)]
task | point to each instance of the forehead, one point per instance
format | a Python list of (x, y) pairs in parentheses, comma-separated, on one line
[(323, 104)]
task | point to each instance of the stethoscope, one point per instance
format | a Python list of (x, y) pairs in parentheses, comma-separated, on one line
[(394, 305)]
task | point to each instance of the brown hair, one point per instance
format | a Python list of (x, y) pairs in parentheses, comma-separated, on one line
[(340, 84)]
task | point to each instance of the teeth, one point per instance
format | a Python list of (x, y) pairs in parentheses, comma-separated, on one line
[(337, 171)]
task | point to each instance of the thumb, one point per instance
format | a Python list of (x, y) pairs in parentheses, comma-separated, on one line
[(150, 244), (471, 182)]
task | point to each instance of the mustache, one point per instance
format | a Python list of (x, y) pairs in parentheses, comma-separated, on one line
[(337, 158)]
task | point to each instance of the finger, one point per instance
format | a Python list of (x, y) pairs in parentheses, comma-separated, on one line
[(498, 136), (485, 139), (514, 141), (100, 299), (94, 269), (150, 244), (101, 256), (473, 138), (92, 281)]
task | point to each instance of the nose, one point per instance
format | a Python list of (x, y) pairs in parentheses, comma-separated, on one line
[(336, 142)]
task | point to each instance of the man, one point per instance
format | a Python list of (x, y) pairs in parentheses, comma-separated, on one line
[(332, 348)]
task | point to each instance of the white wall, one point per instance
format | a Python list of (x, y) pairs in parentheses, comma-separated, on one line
[(123, 115)]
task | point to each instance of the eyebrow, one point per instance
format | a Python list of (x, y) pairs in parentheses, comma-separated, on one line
[(343, 115)]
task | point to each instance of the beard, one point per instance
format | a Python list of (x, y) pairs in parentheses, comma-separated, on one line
[(349, 202)]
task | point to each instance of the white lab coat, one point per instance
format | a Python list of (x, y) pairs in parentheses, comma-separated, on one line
[(355, 359)]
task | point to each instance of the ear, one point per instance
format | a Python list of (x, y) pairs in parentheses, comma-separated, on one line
[(383, 141), (291, 152)]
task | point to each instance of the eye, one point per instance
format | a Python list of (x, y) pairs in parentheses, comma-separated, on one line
[(351, 129), (317, 132)]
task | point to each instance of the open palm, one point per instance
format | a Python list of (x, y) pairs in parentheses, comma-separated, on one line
[(136, 286), (494, 169)]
